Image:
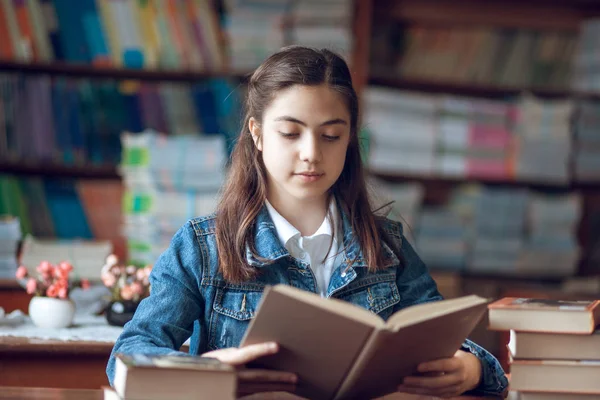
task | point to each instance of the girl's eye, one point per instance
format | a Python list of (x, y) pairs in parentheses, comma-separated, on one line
[(288, 135), (331, 138)]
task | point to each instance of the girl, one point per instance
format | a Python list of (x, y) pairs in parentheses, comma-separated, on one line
[(294, 210)]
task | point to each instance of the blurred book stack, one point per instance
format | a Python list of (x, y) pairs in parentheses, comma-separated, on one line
[(148, 34), (474, 138), (551, 247), (402, 130), (587, 142), (399, 202), (442, 238), (10, 235), (543, 130), (499, 227), (86, 256), (323, 24), (78, 121), (586, 65), (168, 180), (554, 347), (255, 30), (501, 57)]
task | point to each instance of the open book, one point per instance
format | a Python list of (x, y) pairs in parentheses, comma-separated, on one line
[(340, 350)]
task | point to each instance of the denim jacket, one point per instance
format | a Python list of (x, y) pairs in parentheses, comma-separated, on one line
[(190, 298)]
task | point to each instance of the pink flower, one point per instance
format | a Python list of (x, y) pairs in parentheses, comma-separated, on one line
[(31, 286), (85, 284), (126, 293), (45, 267), (108, 279), (130, 269), (21, 272), (52, 291), (61, 273), (62, 292), (140, 274), (137, 288), (112, 260), (65, 266)]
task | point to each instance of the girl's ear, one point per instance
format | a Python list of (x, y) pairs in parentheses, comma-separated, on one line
[(255, 132)]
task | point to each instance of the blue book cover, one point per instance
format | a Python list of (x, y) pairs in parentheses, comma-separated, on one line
[(72, 35), (68, 215), (206, 109)]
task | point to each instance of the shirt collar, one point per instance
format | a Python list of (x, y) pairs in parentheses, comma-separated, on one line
[(286, 231)]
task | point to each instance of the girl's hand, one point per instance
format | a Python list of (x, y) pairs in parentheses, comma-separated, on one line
[(255, 380), (446, 377)]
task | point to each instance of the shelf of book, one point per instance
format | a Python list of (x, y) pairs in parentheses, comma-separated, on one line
[(56, 170), (90, 71), (474, 89), (444, 181)]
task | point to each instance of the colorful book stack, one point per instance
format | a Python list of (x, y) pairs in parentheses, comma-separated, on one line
[(10, 235), (554, 347), (475, 139), (78, 122), (168, 180), (493, 56), (153, 34)]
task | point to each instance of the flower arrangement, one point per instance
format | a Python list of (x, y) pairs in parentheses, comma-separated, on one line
[(126, 282), (51, 281)]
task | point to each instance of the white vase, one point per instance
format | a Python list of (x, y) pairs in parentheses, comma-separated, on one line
[(48, 312)]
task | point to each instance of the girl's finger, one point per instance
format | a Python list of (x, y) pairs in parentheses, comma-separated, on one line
[(441, 365), (250, 353)]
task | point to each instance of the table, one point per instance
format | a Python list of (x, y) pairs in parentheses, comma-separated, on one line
[(21, 393), (34, 362)]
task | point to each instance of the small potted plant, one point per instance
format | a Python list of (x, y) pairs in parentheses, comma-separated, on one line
[(50, 306), (128, 284)]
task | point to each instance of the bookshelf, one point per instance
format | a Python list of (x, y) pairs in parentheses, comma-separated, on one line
[(98, 72), (544, 15)]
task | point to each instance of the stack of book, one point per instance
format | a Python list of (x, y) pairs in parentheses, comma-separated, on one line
[(551, 246), (586, 153), (403, 131), (474, 138), (168, 180), (323, 25), (442, 238), (554, 347), (10, 234), (543, 131), (499, 228), (586, 68), (157, 377)]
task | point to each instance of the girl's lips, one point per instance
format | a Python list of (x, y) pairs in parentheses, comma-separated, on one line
[(310, 177)]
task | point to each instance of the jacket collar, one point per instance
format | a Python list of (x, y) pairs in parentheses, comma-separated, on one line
[(268, 247)]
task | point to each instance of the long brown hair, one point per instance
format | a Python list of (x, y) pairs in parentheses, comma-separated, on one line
[(245, 190)]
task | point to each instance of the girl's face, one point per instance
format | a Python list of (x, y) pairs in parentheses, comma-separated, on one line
[(303, 139)]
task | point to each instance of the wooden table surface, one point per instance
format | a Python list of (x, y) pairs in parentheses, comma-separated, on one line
[(30, 362), (21, 393)]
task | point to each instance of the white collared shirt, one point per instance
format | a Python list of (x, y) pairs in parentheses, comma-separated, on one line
[(310, 249)]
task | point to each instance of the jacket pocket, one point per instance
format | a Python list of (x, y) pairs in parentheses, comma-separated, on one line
[(378, 297), (232, 311)]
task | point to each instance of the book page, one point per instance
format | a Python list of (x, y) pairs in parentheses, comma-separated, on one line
[(435, 309), (392, 354), (335, 306), (317, 342)]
